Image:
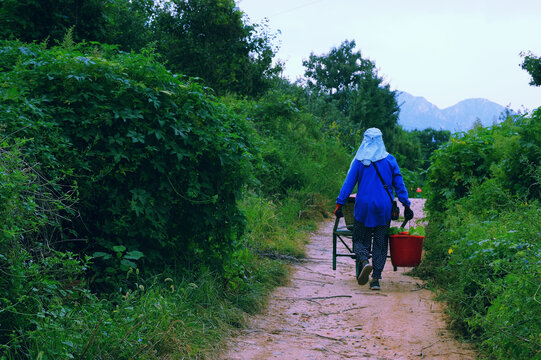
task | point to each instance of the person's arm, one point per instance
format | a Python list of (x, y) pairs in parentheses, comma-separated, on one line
[(349, 183), (398, 185)]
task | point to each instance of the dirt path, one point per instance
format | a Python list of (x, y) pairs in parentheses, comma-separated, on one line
[(325, 314)]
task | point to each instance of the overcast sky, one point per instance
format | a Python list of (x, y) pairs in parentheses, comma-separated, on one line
[(445, 51)]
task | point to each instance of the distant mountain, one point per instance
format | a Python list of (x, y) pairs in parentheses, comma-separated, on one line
[(418, 113)]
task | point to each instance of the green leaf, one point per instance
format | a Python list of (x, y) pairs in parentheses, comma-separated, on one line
[(11, 94), (136, 137), (133, 255), (119, 248), (419, 230), (99, 254), (126, 264)]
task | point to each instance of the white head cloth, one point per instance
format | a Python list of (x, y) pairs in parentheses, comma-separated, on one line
[(372, 148)]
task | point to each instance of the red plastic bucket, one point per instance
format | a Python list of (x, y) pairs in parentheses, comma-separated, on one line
[(406, 249)]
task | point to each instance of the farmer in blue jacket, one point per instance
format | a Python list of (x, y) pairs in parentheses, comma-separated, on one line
[(373, 205)]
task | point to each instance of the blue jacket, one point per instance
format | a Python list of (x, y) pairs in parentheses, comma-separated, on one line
[(372, 204)]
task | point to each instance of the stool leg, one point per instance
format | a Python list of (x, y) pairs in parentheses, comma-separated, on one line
[(334, 251), (334, 236)]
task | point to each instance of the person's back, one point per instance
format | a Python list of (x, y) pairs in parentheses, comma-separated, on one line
[(373, 203)]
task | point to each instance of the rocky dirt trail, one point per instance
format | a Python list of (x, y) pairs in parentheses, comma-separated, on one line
[(325, 314)]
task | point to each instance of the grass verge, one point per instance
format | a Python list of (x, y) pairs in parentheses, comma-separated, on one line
[(179, 314)]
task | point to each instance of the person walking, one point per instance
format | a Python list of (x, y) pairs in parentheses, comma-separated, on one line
[(372, 210)]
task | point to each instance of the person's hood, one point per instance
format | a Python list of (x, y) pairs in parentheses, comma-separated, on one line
[(372, 148)]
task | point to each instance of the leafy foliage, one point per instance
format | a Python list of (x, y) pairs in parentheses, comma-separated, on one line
[(129, 24), (291, 147), (457, 165), (39, 20), (485, 264), (36, 279), (210, 40), (532, 64), (352, 82), (482, 235), (158, 164), (347, 93), (508, 152), (430, 140), (518, 147), (339, 71)]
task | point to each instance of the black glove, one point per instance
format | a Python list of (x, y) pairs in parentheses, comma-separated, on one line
[(408, 213), (338, 211)]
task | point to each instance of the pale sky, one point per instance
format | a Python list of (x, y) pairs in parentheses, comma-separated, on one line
[(445, 51)]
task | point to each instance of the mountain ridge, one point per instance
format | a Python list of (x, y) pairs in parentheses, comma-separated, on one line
[(416, 112)]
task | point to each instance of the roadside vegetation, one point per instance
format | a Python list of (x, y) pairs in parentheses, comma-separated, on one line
[(482, 248), (153, 192)]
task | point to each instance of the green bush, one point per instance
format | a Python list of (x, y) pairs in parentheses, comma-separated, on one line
[(509, 152), (157, 166), (490, 265), (518, 148), (158, 163), (293, 154), (47, 312), (482, 244), (462, 162), (36, 280)]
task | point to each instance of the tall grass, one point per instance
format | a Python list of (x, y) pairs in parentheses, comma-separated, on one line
[(177, 318)]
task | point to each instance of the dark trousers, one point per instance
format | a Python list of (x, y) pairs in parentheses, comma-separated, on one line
[(371, 238)]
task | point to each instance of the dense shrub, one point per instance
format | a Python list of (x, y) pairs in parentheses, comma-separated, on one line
[(157, 166), (517, 145), (487, 262), (293, 154), (157, 162), (47, 312), (457, 165), (36, 280), (509, 152), (482, 245)]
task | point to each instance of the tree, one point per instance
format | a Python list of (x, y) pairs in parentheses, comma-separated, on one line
[(129, 23), (209, 39), (532, 64), (344, 78), (38, 20), (373, 105), (430, 140), (338, 71)]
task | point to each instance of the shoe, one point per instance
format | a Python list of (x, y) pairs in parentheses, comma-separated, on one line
[(364, 273), (374, 284)]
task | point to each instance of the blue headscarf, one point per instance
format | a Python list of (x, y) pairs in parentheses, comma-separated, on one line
[(372, 148)]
